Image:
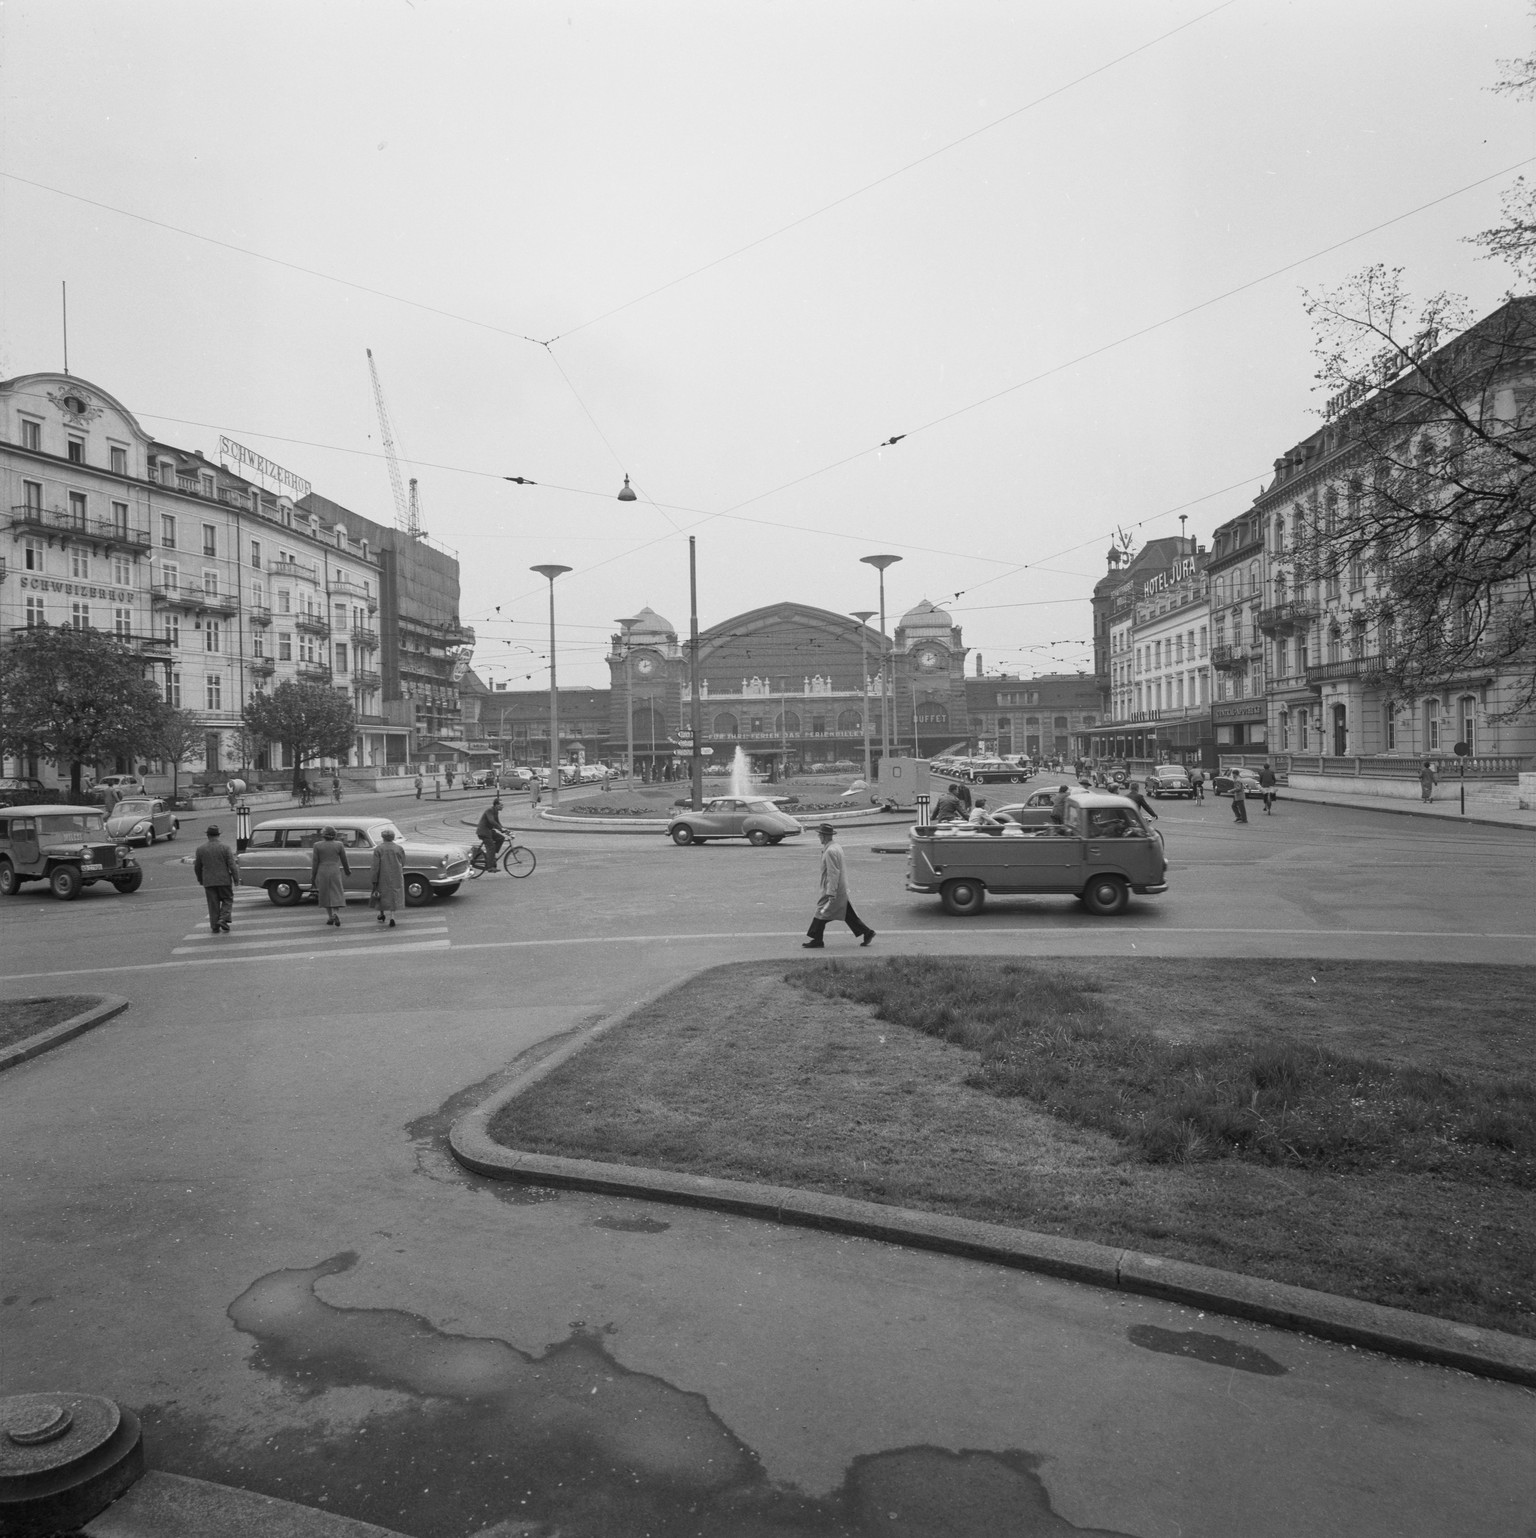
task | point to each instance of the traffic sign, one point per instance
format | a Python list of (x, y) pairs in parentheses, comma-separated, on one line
[(683, 737), (706, 752)]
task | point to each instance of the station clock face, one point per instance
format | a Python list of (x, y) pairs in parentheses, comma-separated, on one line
[(644, 665), (928, 659)]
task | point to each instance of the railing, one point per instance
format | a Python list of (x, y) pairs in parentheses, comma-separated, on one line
[(295, 569), (344, 587), (263, 667), (260, 613), (314, 672), (214, 603), (170, 592), (1286, 616), (368, 679), (1393, 766), (60, 520), (148, 645), (1351, 667), (1224, 656), (363, 636), (313, 623)]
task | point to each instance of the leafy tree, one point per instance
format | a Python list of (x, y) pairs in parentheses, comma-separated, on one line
[(178, 737), (1438, 443), (75, 697), (310, 720)]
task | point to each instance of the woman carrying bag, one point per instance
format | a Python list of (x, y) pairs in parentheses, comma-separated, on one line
[(388, 877)]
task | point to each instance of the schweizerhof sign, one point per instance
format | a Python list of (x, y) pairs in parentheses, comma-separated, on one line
[(265, 468)]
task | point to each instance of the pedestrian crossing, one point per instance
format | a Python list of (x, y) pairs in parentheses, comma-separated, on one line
[(264, 932)]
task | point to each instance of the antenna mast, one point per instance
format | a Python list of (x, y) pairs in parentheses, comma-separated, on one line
[(407, 519)]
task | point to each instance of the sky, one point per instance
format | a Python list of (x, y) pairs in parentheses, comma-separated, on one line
[(730, 251)]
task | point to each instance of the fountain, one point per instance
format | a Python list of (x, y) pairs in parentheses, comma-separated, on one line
[(741, 775)]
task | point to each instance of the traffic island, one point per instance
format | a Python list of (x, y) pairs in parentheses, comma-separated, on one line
[(29, 1027), (796, 1092)]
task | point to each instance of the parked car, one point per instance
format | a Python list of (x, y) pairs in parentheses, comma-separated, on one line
[(141, 820), (1221, 782), (756, 819), (16, 788), (1169, 780), (277, 857), (122, 784), (66, 846), (1101, 854)]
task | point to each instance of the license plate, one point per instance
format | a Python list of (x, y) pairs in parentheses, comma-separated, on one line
[(90, 867)]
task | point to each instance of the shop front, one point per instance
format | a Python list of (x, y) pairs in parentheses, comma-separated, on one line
[(1240, 724)]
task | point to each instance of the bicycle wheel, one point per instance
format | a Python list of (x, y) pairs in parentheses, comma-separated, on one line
[(518, 861), (477, 865)]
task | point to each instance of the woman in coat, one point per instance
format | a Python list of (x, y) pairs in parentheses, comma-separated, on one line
[(327, 869), (389, 876)]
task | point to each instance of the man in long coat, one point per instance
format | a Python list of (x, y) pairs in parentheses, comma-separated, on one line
[(832, 902), (218, 872)]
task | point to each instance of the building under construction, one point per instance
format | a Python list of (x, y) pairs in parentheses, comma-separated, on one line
[(423, 648)]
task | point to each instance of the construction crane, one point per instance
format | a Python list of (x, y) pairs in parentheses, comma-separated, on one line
[(407, 511)]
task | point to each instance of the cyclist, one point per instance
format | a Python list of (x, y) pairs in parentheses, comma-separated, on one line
[(491, 833), (306, 793), (335, 787)]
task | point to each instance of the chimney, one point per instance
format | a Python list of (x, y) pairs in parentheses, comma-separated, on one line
[(978, 664)]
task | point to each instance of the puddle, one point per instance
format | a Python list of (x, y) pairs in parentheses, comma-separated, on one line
[(632, 1225), (1216, 1349), (476, 1436)]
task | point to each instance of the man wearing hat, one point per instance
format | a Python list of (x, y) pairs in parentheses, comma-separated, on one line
[(832, 903), (218, 871)]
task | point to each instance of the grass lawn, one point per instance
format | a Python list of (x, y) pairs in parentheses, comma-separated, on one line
[(21, 1018), (1363, 1128)]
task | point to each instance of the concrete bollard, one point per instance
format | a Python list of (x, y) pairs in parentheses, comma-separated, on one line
[(64, 1458)]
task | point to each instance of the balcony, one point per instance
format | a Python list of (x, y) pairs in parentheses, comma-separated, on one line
[(314, 673), (1351, 667), (355, 592), (294, 569), (364, 637), (263, 667), (156, 648), (311, 624), (211, 603), (1283, 618), (1227, 659), (260, 613), (57, 521), (367, 679)]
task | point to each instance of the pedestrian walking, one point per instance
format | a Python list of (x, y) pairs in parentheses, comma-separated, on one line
[(328, 868), (832, 902), (1239, 799), (450, 777), (418, 787), (217, 869), (1267, 783), (108, 801), (1427, 778), (389, 877)]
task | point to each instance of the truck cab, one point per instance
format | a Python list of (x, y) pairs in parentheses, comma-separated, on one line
[(1100, 853)]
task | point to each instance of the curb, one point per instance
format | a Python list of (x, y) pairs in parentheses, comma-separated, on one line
[(111, 1004), (1348, 1321), (1305, 798)]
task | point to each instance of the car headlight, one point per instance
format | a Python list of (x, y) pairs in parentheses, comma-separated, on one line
[(141, 827), (123, 851)]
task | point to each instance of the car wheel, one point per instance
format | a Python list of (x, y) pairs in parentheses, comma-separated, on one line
[(65, 883), (1106, 896), (418, 891), (285, 894), (962, 898), (131, 883), (175, 829), (154, 838), (757, 838), (1014, 779), (682, 834), (10, 882)]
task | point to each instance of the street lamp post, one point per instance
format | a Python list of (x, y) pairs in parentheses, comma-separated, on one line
[(880, 562), (551, 572), (863, 616), (629, 703), (696, 793)]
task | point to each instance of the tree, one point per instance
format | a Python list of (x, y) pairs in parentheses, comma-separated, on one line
[(1439, 442), (310, 720), (75, 697), (179, 737)]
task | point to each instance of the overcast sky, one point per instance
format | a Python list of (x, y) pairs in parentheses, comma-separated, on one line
[(540, 170)]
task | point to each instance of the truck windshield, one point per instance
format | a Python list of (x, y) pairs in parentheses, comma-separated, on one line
[(74, 825)]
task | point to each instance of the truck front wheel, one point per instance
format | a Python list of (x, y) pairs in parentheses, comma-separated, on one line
[(64, 882), (1106, 896), (962, 898)]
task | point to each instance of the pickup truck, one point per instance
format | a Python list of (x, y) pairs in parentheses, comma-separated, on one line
[(1100, 854)]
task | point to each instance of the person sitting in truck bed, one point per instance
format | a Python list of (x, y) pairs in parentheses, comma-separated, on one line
[(1112, 825), (947, 807), (981, 818)]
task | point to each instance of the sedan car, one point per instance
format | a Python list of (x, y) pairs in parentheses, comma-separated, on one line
[(1221, 782), (121, 785), (755, 819), (1032, 812), (277, 857), (18, 788), (1169, 780), (140, 820)]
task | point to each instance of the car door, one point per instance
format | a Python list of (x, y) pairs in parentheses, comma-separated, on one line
[(264, 858), (24, 844), (359, 849)]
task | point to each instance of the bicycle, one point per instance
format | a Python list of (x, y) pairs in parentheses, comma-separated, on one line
[(516, 860)]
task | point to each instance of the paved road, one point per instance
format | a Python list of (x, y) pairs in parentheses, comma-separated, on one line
[(231, 1208)]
